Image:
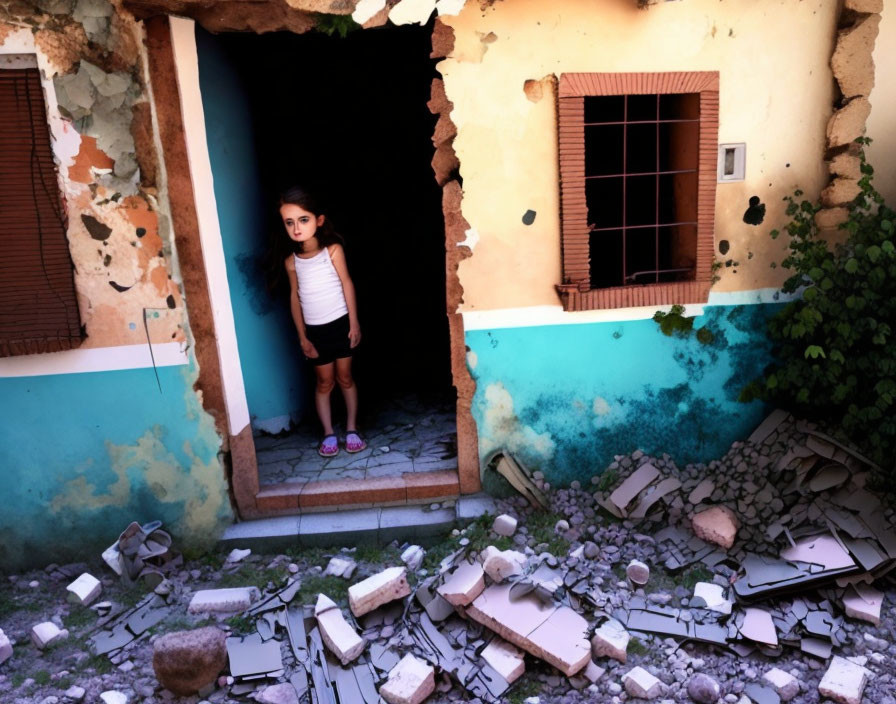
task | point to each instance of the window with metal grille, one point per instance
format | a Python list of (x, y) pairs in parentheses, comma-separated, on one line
[(38, 304), (638, 173)]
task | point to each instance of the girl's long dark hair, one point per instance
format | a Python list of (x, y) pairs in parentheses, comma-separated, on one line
[(281, 246)]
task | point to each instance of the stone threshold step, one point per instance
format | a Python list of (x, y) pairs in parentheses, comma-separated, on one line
[(406, 488), (367, 526)]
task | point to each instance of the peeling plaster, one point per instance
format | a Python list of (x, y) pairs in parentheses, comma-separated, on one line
[(412, 12), (502, 428), (472, 238), (367, 9)]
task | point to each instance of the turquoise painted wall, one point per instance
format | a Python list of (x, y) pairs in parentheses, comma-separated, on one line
[(266, 335), (567, 398), (85, 454)]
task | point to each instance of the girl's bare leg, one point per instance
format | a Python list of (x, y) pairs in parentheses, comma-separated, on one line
[(325, 383), (349, 391)]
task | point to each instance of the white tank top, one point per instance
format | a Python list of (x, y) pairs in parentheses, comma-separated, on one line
[(320, 290)]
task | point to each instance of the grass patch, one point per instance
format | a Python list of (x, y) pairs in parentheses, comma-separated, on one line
[(480, 535), (79, 617), (241, 624), (249, 576), (41, 677), (130, 594), (372, 553), (438, 552), (100, 664), (524, 688), (607, 479), (541, 530), (689, 578), (10, 603), (310, 556), (636, 647), (334, 587)]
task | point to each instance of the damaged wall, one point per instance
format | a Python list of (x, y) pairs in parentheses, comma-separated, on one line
[(882, 151), (94, 438)]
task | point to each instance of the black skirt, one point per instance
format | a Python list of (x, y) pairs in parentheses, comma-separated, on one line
[(330, 340)]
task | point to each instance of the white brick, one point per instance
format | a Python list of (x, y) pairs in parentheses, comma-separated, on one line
[(499, 565), (786, 685), (863, 602), (410, 682), (593, 672), (335, 631), (844, 681), (5, 647), (714, 596), (505, 659), (610, 640), (504, 525), (84, 589), (112, 696), (413, 557), (43, 634), (464, 584), (640, 683), (379, 589), (222, 600)]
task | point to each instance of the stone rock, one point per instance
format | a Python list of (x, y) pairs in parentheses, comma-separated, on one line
[(410, 682), (5, 647), (703, 689), (236, 555), (464, 584), (222, 600), (278, 694), (75, 693), (717, 525), (113, 696), (702, 491), (378, 589), (864, 6), (786, 685), (844, 681), (501, 565), (504, 525), (638, 572), (639, 683), (84, 589), (840, 191), (846, 164), (851, 61), (505, 659), (610, 640), (413, 557), (713, 596), (848, 123), (336, 633), (43, 634), (186, 661), (340, 567)]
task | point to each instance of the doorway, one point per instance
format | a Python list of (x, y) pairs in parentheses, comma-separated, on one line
[(347, 118)]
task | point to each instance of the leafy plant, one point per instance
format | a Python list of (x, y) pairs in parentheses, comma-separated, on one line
[(333, 25), (834, 351), (676, 323)]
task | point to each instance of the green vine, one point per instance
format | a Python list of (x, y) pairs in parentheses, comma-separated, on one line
[(834, 350), (676, 323), (333, 25)]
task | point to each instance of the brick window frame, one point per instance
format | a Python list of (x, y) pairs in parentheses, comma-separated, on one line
[(575, 290), (38, 302)]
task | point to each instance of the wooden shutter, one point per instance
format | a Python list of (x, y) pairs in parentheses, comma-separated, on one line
[(38, 305)]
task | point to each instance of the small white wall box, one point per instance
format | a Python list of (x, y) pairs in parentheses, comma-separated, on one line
[(732, 161)]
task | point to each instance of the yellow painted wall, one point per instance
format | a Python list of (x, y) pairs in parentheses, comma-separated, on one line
[(776, 95), (882, 123)]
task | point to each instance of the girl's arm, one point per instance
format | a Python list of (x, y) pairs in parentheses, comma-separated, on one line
[(337, 255), (296, 309)]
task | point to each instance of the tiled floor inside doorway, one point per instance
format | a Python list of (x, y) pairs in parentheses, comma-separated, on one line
[(407, 434)]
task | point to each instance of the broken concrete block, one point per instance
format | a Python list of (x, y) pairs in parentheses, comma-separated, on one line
[(504, 525), (702, 491), (638, 572), (551, 633), (84, 589), (335, 631), (410, 682), (464, 584), (717, 525), (340, 567), (851, 61), (236, 555), (500, 565), (639, 480), (863, 602), (714, 597), (187, 661), (638, 682), (75, 693), (413, 557), (378, 589), (222, 600), (610, 640), (278, 694), (43, 634), (505, 659), (786, 685), (5, 647), (848, 123), (593, 672), (758, 626), (844, 681)]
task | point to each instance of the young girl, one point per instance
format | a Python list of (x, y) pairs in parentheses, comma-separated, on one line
[(322, 301)]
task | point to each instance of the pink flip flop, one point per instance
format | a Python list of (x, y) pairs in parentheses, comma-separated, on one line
[(354, 442), (329, 446)]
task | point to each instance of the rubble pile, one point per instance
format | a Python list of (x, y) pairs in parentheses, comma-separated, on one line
[(762, 577)]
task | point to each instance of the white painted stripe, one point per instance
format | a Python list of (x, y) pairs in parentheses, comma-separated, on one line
[(186, 62), (555, 315), (98, 359)]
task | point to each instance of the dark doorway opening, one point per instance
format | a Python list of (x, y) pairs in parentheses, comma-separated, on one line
[(347, 118)]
